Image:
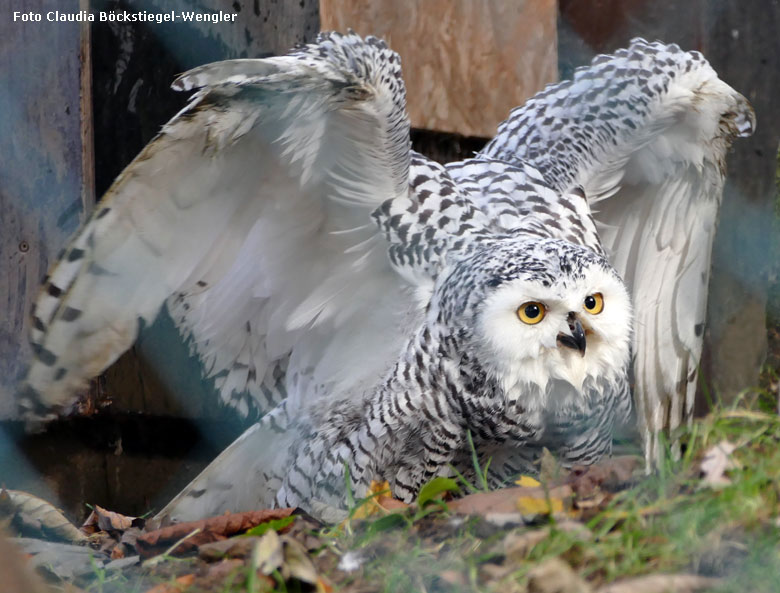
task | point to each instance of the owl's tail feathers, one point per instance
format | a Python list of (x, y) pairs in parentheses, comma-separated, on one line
[(246, 476)]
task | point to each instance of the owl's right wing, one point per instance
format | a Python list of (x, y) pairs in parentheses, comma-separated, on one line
[(645, 133), (250, 214)]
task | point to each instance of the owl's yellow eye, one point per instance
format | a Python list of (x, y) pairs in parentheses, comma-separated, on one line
[(594, 303), (531, 312)]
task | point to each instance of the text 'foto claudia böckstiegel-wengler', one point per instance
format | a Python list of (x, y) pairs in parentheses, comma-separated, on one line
[(123, 16)]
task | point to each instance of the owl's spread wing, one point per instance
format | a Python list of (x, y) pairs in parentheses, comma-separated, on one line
[(644, 132), (250, 214)]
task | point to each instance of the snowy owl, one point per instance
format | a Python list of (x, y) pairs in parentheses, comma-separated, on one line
[(380, 312)]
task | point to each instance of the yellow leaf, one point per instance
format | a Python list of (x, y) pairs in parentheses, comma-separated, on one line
[(528, 505), (377, 493), (528, 482)]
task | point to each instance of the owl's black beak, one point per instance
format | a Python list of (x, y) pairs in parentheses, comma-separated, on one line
[(577, 338)]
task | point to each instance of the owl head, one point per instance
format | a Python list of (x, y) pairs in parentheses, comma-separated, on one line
[(539, 313)]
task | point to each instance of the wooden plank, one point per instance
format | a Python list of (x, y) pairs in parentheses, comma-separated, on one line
[(742, 45), (466, 63), (45, 164), (740, 41), (136, 62)]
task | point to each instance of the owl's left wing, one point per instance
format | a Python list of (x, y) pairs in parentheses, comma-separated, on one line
[(250, 213), (644, 132)]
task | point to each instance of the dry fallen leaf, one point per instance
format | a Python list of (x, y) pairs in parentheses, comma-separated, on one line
[(381, 501), (527, 482), (60, 561), (101, 519), (178, 586), (491, 572), (235, 547), (209, 530), (35, 514), (662, 583), (285, 554), (609, 474), (531, 505), (268, 554), (297, 563), (716, 462), (505, 500)]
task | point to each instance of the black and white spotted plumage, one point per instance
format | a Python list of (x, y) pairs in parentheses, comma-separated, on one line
[(367, 302)]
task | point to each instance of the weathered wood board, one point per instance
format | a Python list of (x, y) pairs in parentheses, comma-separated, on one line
[(45, 163), (466, 63)]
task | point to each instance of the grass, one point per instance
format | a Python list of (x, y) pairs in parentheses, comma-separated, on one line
[(669, 522)]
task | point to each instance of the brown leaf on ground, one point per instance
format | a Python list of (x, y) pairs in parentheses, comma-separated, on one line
[(662, 583), (273, 552), (178, 586), (219, 571), (380, 502), (268, 553), (609, 474), (230, 571), (297, 563), (101, 519), (208, 530), (506, 500), (235, 547), (490, 572), (555, 576), (35, 517)]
